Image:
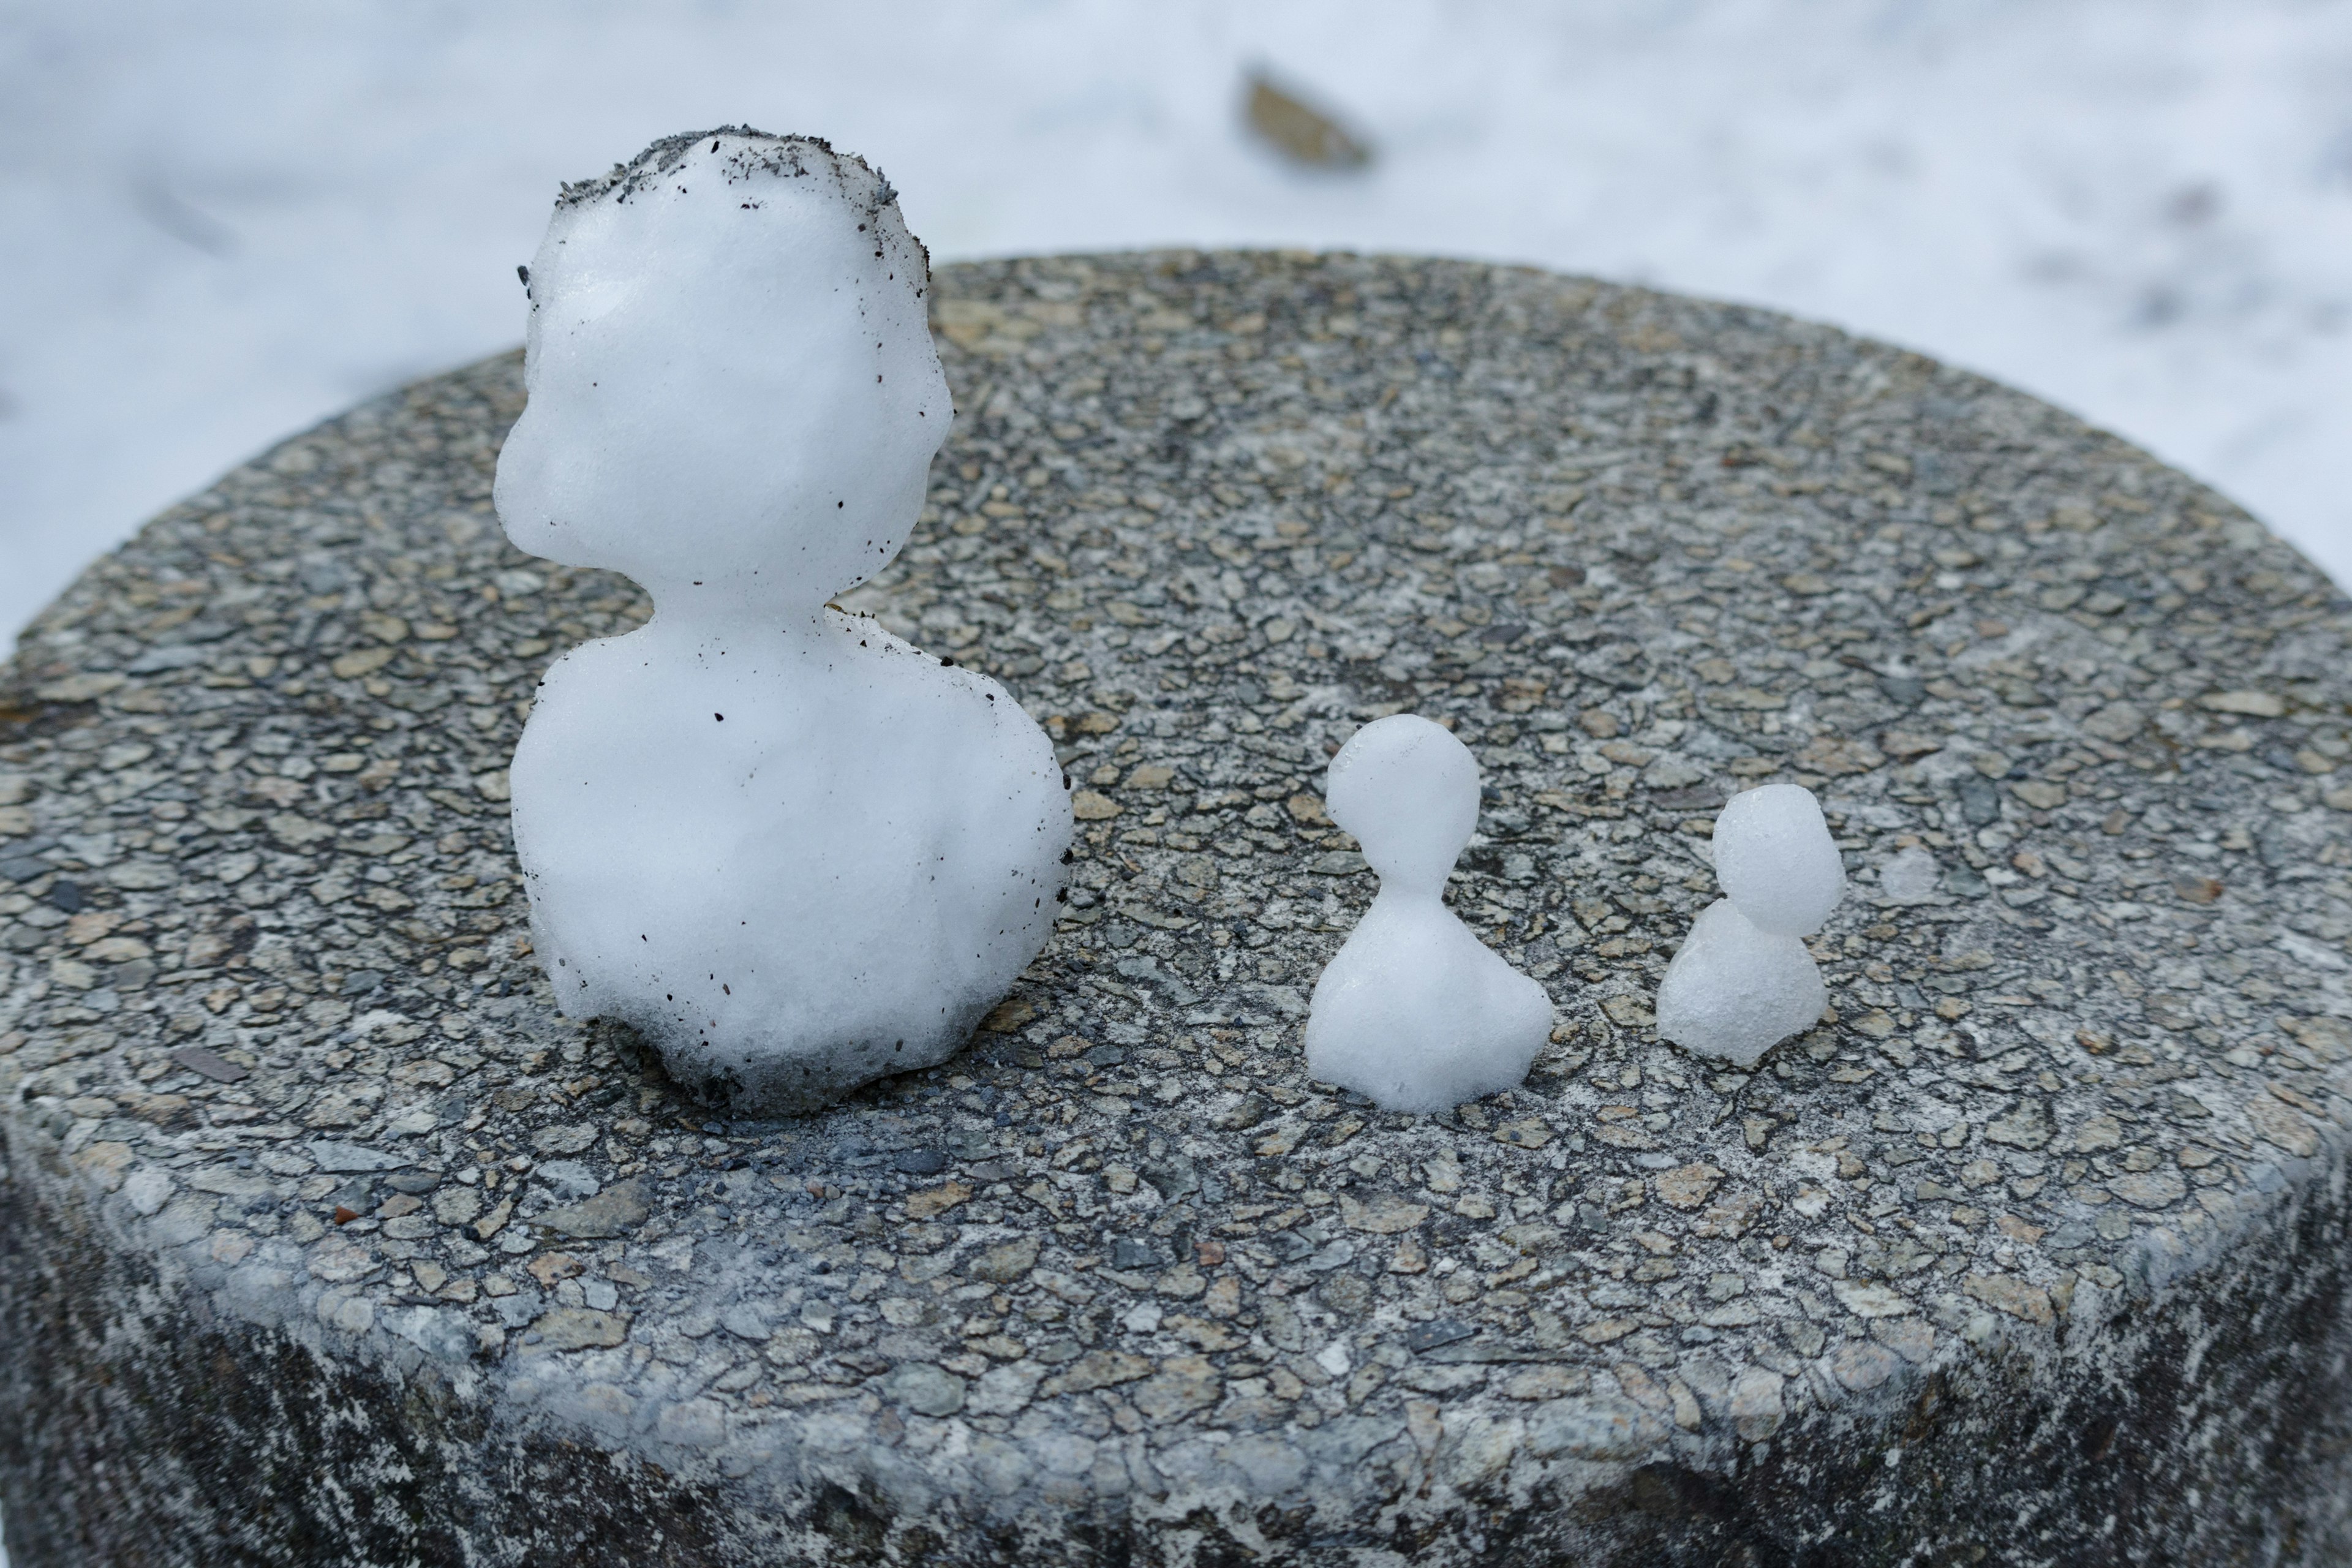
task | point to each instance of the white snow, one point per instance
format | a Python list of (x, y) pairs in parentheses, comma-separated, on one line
[(227, 221), (1414, 1011), (1776, 860), (1736, 990), (794, 851), (1743, 982)]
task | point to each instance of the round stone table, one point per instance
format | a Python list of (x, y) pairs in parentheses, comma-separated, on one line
[(325, 1240)]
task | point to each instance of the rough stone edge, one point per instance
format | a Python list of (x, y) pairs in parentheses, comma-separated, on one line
[(371, 1448)]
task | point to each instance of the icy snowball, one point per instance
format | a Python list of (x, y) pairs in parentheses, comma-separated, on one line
[(792, 851), (1776, 860), (1415, 1012), (1743, 980), (1736, 990)]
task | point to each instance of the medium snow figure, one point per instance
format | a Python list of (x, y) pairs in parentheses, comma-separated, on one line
[(792, 851), (1743, 980), (1415, 1012)]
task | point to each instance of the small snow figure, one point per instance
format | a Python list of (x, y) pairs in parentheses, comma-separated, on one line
[(1743, 980), (1415, 1012), (792, 851)]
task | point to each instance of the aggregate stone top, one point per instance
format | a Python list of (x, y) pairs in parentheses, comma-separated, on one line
[(265, 980)]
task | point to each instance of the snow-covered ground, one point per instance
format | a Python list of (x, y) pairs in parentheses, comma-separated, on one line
[(224, 221), (220, 223)]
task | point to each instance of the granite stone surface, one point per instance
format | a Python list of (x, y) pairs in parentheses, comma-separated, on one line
[(323, 1240)]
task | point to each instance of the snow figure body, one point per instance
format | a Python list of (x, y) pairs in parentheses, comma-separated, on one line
[(1743, 980), (1414, 1011), (794, 852)]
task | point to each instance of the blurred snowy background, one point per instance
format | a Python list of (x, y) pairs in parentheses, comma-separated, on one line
[(224, 222), (221, 223)]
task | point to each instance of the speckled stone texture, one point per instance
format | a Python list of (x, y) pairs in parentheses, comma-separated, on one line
[(323, 1240)]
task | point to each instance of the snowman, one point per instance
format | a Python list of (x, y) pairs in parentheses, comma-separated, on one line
[(1415, 1012), (1743, 980), (792, 851)]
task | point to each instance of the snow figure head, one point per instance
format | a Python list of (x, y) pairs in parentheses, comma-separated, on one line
[(1743, 982), (1409, 792), (1775, 860), (733, 390), (1414, 1011)]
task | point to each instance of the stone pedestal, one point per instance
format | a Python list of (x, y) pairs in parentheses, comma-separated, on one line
[(323, 1240)]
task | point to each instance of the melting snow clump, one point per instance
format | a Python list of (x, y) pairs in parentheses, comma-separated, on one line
[(1415, 1012), (792, 851), (1743, 980), (1909, 877)]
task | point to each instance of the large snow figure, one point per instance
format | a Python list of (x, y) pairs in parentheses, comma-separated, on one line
[(1743, 980), (794, 851), (1414, 1011)]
